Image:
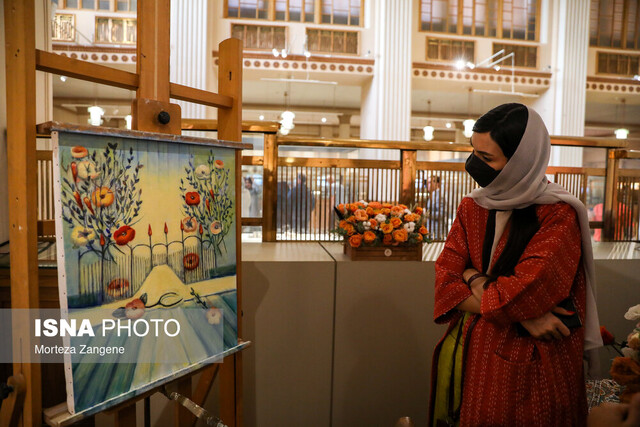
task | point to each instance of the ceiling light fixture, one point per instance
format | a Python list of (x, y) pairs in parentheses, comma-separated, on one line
[(95, 115), (63, 78), (260, 117), (323, 120)]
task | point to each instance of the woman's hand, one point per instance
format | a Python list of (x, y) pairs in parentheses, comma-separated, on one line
[(548, 327)]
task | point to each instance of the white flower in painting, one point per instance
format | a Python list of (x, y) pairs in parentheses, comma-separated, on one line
[(203, 172), (214, 316), (362, 202), (81, 236), (380, 218), (87, 170), (366, 225), (633, 313), (410, 226), (407, 211)]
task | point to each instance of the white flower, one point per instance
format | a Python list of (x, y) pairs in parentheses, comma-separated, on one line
[(410, 226), (380, 218), (214, 316), (81, 236), (202, 172), (362, 202), (87, 170), (628, 352), (633, 313), (366, 225), (407, 211)]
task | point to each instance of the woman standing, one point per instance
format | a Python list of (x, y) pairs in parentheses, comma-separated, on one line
[(519, 247)]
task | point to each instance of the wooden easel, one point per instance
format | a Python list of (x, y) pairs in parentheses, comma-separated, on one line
[(153, 92)]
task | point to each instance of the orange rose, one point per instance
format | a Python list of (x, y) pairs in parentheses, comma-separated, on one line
[(387, 239), (419, 210), (376, 212), (403, 207), (400, 235), (361, 215), (386, 211), (395, 222), (369, 211), (349, 229), (355, 241), (386, 205), (343, 224), (373, 223), (418, 237), (397, 211), (341, 208), (369, 236), (352, 207), (375, 205), (351, 219), (423, 230), (386, 228)]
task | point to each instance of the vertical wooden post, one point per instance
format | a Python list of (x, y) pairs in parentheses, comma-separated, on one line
[(20, 56), (230, 129), (408, 177), (270, 188), (153, 49), (610, 211)]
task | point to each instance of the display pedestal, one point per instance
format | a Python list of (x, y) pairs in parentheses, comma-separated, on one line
[(381, 253)]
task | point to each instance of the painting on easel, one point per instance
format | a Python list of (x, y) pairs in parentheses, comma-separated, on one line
[(146, 234)]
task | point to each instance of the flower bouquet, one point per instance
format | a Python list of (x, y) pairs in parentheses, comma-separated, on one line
[(625, 370), (377, 230)]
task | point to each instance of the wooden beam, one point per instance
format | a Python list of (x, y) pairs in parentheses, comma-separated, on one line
[(247, 125), (84, 70), (270, 190), (153, 49), (408, 177), (20, 57), (190, 94), (12, 406)]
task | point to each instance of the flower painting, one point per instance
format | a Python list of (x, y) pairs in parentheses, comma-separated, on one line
[(146, 231)]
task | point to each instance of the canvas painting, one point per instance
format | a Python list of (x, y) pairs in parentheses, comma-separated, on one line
[(146, 234)]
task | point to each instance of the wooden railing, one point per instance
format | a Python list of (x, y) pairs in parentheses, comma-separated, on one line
[(291, 211)]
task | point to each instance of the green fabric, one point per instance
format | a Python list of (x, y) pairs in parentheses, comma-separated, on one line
[(443, 380)]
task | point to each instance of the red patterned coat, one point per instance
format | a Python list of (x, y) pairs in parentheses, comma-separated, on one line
[(512, 380)]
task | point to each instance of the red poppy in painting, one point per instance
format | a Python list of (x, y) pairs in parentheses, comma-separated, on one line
[(118, 287), (192, 198), (124, 235), (219, 164), (191, 261), (134, 309)]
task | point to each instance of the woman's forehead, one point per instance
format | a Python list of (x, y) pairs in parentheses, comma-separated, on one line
[(484, 142)]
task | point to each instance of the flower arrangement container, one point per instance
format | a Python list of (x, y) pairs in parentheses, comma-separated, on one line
[(380, 253), (376, 231)]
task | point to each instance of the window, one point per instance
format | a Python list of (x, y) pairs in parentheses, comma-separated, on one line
[(450, 50), (524, 56), (115, 30), (619, 64), (505, 19), (295, 10), (126, 5), (342, 12), (254, 9), (338, 12), (260, 36), (63, 28), (330, 41), (85, 4), (615, 23)]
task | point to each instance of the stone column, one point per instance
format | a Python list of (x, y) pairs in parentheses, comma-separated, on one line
[(386, 100), (189, 50), (565, 30), (344, 126)]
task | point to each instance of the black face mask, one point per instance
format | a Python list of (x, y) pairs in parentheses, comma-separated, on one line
[(481, 172)]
